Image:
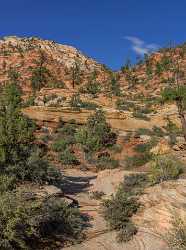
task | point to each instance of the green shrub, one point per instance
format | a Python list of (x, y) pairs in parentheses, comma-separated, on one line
[(156, 131), (117, 212), (89, 105), (7, 183), (96, 134), (75, 101), (124, 105), (137, 160), (29, 102), (68, 129), (93, 88), (60, 145), (134, 184), (140, 115), (26, 223), (143, 131), (56, 84), (106, 162), (176, 237), (114, 86), (165, 168), (68, 158), (38, 170)]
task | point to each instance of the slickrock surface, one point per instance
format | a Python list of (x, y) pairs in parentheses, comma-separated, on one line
[(158, 204)]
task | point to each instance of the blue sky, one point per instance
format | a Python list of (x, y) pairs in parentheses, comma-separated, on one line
[(108, 30)]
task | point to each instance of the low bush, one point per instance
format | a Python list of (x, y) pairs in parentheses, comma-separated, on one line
[(34, 224), (38, 170), (77, 103), (60, 145), (68, 158), (156, 131), (106, 162), (176, 237), (56, 84), (165, 168), (134, 184), (117, 212), (124, 105), (93, 88), (67, 128), (7, 183), (137, 160), (140, 115)]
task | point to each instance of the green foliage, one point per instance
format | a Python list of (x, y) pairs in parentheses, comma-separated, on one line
[(38, 170), (60, 145), (17, 150), (77, 103), (140, 115), (88, 142), (165, 168), (106, 162), (16, 131), (134, 184), (163, 65), (29, 102), (114, 86), (40, 73), (143, 154), (39, 77), (171, 94), (127, 66), (137, 160), (96, 134), (11, 97), (68, 158), (176, 237), (92, 87), (76, 73), (56, 84), (13, 76), (117, 212), (68, 129), (32, 224), (124, 105), (7, 183)]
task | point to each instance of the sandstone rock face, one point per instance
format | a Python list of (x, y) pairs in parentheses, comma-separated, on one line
[(108, 180), (160, 203), (122, 121)]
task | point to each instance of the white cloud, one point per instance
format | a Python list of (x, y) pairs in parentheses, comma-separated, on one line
[(140, 47)]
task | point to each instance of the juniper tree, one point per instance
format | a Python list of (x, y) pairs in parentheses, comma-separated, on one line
[(39, 73)]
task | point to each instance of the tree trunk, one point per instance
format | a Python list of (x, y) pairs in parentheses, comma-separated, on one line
[(182, 117)]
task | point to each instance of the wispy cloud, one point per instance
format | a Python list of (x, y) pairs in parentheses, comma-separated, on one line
[(140, 47)]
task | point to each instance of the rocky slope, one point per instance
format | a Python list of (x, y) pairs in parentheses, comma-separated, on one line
[(24, 54)]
